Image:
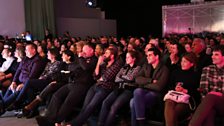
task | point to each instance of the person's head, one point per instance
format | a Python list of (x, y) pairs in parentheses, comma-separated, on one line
[(20, 52), (167, 45), (138, 41), (153, 55), (31, 50), (79, 46), (73, 48), (198, 45), (88, 50), (103, 40), (69, 43), (7, 52), (131, 46), (213, 42), (155, 42), (68, 56), (123, 42), (64, 47), (42, 49), (99, 50), (37, 42), (188, 61), (52, 54), (131, 57), (218, 55), (57, 42), (187, 47), (176, 49), (110, 54), (147, 47), (49, 44), (222, 41)]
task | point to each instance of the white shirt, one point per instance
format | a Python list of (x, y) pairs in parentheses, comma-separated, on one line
[(6, 64)]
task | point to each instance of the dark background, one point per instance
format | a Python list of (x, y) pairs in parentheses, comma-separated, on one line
[(137, 17)]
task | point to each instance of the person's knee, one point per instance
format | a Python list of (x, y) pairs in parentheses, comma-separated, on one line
[(105, 104), (138, 91), (131, 103), (169, 102), (114, 108)]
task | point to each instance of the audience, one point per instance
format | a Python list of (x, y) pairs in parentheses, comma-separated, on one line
[(105, 72), (57, 80), (72, 94), (111, 53), (33, 86), (30, 68)]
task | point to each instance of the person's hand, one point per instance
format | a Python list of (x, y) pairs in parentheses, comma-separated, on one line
[(179, 88), (53, 82), (13, 86), (19, 87), (173, 58), (216, 93), (154, 81), (2, 77), (82, 54), (100, 60)]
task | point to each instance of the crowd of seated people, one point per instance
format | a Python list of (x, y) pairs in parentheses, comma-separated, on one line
[(108, 74)]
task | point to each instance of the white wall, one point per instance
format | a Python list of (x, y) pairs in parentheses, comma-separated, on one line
[(12, 17)]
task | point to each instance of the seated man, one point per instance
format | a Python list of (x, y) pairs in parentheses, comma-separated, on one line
[(212, 89), (152, 78)]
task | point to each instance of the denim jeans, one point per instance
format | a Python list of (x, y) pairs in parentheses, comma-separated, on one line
[(9, 97), (142, 99), (95, 96), (30, 88), (114, 102)]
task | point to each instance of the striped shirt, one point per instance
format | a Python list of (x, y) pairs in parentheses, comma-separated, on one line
[(108, 74), (212, 79)]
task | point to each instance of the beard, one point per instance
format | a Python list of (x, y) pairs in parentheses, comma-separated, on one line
[(106, 59)]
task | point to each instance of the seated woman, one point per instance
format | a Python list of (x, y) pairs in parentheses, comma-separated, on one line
[(186, 80), (122, 95), (42, 51)]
